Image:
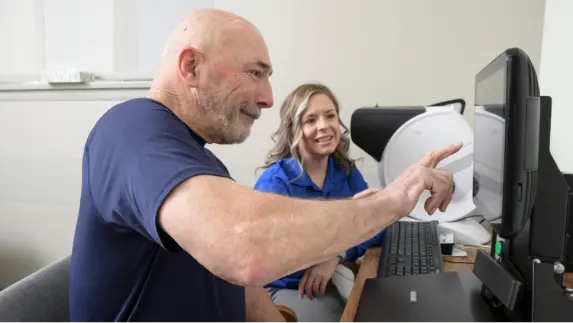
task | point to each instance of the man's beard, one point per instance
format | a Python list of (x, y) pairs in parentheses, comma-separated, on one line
[(224, 117)]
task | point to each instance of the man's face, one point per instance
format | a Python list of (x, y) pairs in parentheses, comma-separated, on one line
[(236, 88)]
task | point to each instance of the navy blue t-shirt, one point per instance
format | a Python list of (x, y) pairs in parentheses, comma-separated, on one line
[(124, 267)]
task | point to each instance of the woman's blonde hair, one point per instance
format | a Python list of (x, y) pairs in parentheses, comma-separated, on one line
[(289, 134)]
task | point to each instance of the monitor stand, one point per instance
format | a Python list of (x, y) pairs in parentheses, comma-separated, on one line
[(526, 282)]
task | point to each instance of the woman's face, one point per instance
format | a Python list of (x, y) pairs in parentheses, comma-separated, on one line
[(320, 127)]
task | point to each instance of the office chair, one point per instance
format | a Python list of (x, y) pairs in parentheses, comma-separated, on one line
[(39, 297), (43, 297)]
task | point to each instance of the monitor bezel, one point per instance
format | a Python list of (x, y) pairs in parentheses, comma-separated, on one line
[(516, 203)]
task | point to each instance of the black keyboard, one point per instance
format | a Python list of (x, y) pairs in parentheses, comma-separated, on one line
[(410, 248)]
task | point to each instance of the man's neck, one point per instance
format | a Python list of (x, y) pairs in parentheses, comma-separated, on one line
[(187, 112), (168, 99)]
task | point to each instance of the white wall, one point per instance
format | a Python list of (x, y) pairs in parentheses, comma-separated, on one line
[(22, 56), (387, 52), (40, 156), (556, 77), (399, 52)]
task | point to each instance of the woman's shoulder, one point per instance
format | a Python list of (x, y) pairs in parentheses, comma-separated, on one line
[(273, 179), (354, 171), (349, 169), (276, 172), (356, 179)]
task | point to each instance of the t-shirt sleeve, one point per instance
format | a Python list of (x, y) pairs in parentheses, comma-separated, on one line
[(132, 175), (165, 162)]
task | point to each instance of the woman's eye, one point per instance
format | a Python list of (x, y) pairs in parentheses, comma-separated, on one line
[(332, 116)]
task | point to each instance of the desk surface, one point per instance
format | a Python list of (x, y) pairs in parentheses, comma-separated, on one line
[(369, 268)]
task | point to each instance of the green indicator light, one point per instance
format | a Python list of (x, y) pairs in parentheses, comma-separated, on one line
[(498, 248)]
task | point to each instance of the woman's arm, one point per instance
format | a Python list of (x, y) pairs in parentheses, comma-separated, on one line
[(358, 251)]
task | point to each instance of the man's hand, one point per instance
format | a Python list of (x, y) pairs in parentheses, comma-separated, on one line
[(407, 188), (316, 278), (432, 159)]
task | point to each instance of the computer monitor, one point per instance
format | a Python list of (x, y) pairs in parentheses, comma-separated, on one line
[(506, 141), (519, 183)]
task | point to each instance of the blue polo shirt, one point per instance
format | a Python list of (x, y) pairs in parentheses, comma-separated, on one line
[(124, 266), (284, 177)]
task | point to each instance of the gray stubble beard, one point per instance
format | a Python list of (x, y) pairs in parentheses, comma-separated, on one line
[(227, 132)]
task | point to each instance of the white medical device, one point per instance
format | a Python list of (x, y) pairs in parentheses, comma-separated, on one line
[(410, 133)]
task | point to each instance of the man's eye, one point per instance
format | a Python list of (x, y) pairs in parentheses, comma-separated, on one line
[(257, 73)]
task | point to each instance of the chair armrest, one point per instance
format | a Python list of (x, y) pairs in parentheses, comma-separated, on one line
[(287, 313)]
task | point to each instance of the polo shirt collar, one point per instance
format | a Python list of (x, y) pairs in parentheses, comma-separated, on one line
[(334, 173)]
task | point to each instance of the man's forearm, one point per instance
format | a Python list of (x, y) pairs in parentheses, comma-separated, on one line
[(293, 234), (259, 306)]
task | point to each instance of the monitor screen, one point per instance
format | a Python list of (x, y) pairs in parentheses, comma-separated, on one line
[(489, 141)]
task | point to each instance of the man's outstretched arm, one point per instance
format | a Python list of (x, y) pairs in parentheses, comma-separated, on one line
[(252, 238)]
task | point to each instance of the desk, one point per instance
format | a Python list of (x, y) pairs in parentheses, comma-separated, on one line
[(369, 268)]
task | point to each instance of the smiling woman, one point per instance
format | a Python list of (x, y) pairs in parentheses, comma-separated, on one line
[(310, 110), (310, 160)]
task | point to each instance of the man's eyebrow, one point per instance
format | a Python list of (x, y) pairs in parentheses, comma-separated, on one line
[(265, 66)]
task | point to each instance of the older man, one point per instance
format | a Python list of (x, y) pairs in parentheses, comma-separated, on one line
[(164, 233)]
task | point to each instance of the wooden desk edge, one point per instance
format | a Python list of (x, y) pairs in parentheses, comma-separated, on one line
[(369, 269)]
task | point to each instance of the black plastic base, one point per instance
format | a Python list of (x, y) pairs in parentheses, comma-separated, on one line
[(498, 281), (550, 302)]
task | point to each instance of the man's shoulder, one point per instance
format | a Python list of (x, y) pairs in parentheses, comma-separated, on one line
[(136, 111), (134, 122)]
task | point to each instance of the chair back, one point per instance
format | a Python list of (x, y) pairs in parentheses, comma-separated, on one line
[(39, 297), (43, 297)]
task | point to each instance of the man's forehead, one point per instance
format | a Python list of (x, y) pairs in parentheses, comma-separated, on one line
[(248, 46)]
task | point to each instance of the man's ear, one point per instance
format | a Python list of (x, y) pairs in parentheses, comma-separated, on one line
[(188, 65)]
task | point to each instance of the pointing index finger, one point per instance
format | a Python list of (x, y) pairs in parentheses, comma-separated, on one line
[(432, 159)]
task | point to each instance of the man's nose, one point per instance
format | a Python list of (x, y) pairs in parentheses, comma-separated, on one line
[(265, 97)]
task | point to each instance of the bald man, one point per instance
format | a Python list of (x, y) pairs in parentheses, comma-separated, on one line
[(165, 234)]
